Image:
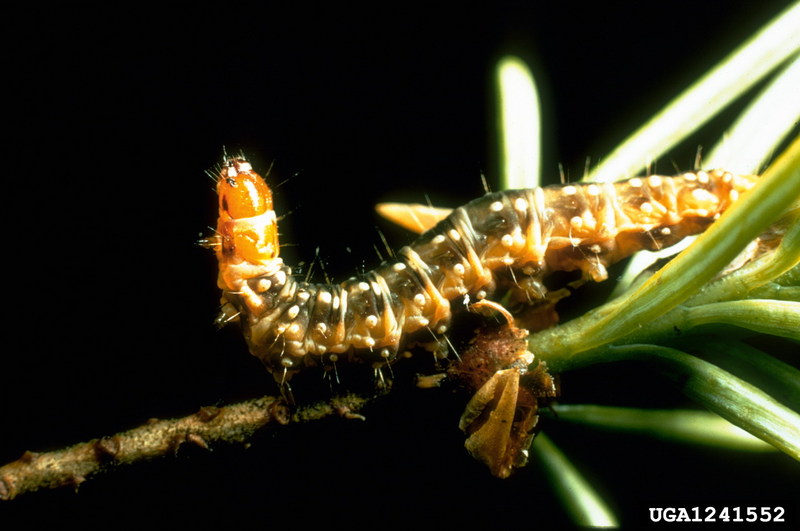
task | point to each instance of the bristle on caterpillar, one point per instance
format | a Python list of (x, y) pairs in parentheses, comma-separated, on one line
[(510, 240)]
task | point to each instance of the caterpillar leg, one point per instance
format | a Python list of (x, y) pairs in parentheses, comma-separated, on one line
[(382, 383), (227, 314), (282, 379)]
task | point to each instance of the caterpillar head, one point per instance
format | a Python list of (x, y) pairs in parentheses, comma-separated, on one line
[(247, 224)]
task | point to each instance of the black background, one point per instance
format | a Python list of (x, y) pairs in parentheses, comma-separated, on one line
[(115, 114)]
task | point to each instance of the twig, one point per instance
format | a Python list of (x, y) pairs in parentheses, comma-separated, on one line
[(231, 424)]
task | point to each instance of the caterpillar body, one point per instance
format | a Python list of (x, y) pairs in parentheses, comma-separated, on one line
[(511, 240)]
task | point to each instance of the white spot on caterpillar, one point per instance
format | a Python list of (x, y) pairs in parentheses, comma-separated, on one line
[(263, 285), (286, 362), (576, 222), (690, 176), (459, 270), (733, 195), (497, 206), (325, 297), (654, 181), (419, 300), (293, 311), (569, 190), (520, 204), (593, 190), (371, 321), (646, 207), (454, 235), (322, 328), (399, 266), (303, 296), (666, 231), (363, 286), (441, 329), (293, 330), (280, 278), (702, 177), (635, 182), (704, 196), (438, 239), (507, 240)]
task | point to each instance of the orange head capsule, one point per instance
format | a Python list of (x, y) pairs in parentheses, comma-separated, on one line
[(247, 224)]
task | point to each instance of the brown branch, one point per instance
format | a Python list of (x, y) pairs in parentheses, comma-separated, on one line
[(493, 349), (231, 424)]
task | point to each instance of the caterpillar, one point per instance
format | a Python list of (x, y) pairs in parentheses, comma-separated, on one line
[(510, 240)]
